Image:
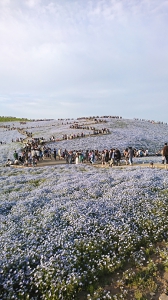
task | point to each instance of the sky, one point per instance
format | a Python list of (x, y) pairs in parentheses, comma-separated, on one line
[(79, 58)]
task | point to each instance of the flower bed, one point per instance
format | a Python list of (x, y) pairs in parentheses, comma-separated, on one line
[(64, 227)]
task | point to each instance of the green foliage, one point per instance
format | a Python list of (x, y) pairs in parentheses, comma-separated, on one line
[(36, 182), (8, 191), (12, 119), (100, 294), (164, 257), (138, 295), (164, 192)]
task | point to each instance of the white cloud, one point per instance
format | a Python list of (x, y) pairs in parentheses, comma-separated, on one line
[(4, 3), (82, 50), (32, 3)]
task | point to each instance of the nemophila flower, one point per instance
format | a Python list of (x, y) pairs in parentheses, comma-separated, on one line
[(73, 226)]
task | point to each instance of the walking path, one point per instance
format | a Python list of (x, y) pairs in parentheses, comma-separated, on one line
[(47, 162), (51, 162), (95, 132)]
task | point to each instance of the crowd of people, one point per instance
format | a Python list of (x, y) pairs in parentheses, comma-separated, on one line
[(33, 152), (30, 154), (112, 157)]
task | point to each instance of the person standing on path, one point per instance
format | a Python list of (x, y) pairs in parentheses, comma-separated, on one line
[(112, 158), (55, 153), (92, 157), (117, 156), (126, 155), (130, 155), (103, 157), (15, 154), (106, 156), (59, 154), (165, 152), (77, 158)]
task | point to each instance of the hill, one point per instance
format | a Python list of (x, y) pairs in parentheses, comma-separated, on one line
[(77, 232)]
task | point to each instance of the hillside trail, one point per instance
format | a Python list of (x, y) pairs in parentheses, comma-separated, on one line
[(28, 137), (23, 132)]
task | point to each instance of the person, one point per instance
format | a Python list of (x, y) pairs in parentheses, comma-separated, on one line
[(59, 154), (26, 162), (103, 158), (87, 155), (15, 155), (106, 156), (70, 157), (112, 158), (77, 158), (55, 153), (140, 153), (80, 156), (146, 152), (29, 160), (92, 157), (20, 160), (16, 162), (33, 153), (8, 163), (126, 155), (131, 155), (37, 154), (34, 161), (163, 157), (165, 152), (117, 156)]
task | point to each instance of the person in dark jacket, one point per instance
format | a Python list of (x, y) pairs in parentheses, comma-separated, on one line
[(130, 155), (117, 156), (55, 153), (165, 152)]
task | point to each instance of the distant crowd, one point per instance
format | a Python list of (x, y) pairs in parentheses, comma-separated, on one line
[(73, 124)]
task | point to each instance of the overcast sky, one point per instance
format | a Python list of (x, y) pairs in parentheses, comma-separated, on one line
[(73, 58)]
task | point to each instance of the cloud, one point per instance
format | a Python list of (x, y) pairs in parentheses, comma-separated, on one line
[(32, 3), (82, 50)]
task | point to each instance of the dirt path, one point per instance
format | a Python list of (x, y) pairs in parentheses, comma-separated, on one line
[(47, 162), (51, 162), (142, 165)]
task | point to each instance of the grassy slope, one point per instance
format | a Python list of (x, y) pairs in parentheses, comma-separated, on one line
[(11, 119)]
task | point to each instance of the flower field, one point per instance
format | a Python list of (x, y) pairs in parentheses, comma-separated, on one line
[(63, 228)]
